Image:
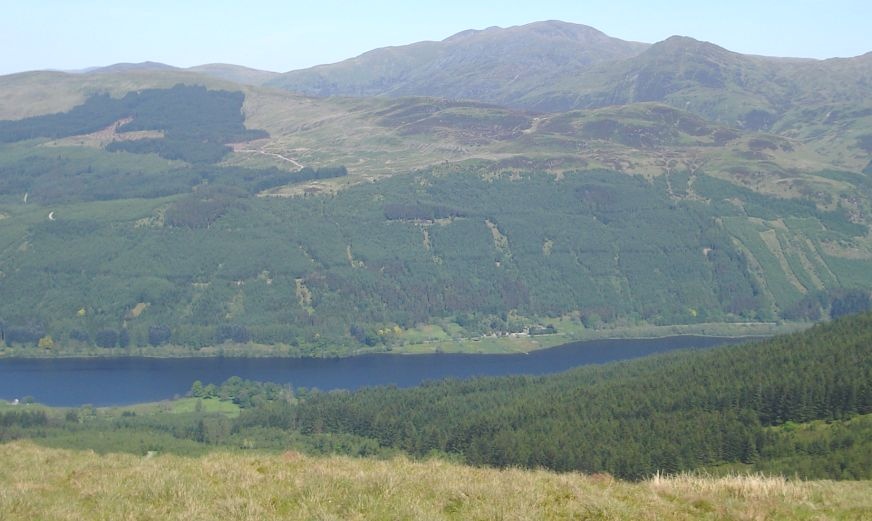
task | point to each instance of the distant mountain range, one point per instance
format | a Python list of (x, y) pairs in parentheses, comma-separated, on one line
[(557, 66)]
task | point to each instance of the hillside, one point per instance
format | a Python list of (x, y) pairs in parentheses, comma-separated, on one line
[(149, 205), (674, 412), (469, 250), (234, 73), (42, 483), (750, 92)]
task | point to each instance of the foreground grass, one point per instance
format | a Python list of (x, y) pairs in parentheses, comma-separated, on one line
[(41, 483)]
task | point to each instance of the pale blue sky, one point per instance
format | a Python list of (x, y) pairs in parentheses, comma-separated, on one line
[(286, 35)]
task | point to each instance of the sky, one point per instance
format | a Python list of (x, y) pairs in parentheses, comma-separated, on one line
[(286, 35)]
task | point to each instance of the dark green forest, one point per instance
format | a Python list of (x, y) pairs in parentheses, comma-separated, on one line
[(490, 253), (798, 405), (671, 412)]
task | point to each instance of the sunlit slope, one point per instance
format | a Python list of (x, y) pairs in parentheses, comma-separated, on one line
[(39, 483)]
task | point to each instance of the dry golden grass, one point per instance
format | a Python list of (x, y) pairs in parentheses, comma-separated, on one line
[(40, 483), (747, 486)]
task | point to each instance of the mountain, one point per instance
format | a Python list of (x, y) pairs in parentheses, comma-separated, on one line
[(494, 65), (556, 66), (694, 187), (681, 71), (751, 92)]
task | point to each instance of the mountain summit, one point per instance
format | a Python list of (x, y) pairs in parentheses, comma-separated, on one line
[(497, 65)]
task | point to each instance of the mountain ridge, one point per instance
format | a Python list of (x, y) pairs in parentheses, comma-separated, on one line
[(507, 54), (555, 66)]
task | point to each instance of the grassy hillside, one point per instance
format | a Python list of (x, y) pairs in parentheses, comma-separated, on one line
[(375, 137), (30, 94), (39, 483)]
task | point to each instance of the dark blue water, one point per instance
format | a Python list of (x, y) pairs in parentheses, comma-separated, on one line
[(120, 381)]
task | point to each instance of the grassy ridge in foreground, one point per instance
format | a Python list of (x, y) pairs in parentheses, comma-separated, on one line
[(39, 483)]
